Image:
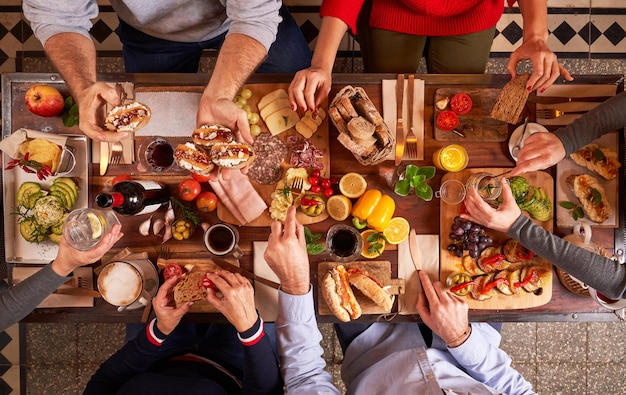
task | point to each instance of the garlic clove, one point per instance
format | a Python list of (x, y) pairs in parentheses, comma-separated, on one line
[(157, 226), (144, 227), (167, 234), (169, 215)]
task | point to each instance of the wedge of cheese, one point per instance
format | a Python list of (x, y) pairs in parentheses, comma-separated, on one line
[(272, 96), (281, 120), (274, 106)]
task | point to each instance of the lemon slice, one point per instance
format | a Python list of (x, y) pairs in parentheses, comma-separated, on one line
[(338, 207), (397, 231), (352, 185), (369, 251), (96, 223)]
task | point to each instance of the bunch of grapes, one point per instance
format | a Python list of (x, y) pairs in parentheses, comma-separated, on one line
[(468, 236)]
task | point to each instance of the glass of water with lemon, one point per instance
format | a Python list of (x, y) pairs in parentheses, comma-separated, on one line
[(84, 228)]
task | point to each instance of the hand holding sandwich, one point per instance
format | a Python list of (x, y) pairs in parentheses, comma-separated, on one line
[(444, 313), (90, 102), (168, 315), (286, 255), (237, 302)]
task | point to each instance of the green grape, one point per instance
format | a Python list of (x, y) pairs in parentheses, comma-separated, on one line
[(253, 118), (245, 93)]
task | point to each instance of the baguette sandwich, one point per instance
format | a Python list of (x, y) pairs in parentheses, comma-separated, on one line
[(189, 157), (128, 117)]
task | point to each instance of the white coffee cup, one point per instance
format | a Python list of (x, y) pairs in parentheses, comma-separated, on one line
[(221, 240), (128, 284)]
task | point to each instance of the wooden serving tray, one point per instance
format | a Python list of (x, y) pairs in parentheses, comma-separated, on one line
[(204, 264), (319, 139), (381, 270), (451, 263), (476, 125)]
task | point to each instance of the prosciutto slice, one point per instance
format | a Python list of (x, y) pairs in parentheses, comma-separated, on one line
[(239, 197)]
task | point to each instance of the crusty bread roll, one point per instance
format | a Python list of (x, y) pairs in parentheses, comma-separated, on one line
[(339, 296), (189, 157), (371, 288), (361, 128), (585, 188), (128, 117), (601, 160)]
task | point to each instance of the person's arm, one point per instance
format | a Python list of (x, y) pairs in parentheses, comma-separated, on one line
[(261, 374), (546, 68)]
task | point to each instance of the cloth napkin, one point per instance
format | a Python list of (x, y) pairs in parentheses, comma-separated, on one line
[(428, 246), (265, 297), (11, 144), (390, 116), (18, 274), (173, 113), (584, 90)]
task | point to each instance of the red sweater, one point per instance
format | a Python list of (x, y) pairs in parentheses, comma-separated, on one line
[(421, 17)]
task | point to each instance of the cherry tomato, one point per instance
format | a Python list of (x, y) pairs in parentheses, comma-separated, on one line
[(199, 177), (207, 283), (120, 178), (189, 189), (316, 188), (325, 183), (172, 270), (316, 173), (447, 120), (334, 180), (314, 180), (206, 202), (461, 103), (328, 192)]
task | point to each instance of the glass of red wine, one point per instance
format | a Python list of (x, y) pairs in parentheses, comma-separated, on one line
[(156, 154), (344, 243)]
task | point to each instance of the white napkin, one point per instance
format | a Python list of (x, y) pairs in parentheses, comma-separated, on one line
[(59, 300), (584, 90), (428, 246), (265, 297), (390, 116), (173, 113)]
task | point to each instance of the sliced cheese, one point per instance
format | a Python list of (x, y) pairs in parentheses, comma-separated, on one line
[(274, 106), (318, 120), (270, 97), (281, 120), (310, 123), (304, 129)]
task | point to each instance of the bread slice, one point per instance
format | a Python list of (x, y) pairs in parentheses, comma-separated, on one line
[(190, 288), (346, 109), (511, 101), (354, 147), (603, 161), (382, 135), (361, 128), (591, 195), (367, 109)]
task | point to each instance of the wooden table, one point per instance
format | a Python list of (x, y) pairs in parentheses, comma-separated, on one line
[(424, 216)]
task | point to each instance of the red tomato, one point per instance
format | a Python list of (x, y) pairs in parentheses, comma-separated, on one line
[(461, 103), (334, 180), (316, 173), (189, 189), (447, 120), (172, 270), (316, 188), (325, 183), (206, 202), (120, 178), (314, 180), (328, 192), (207, 283), (199, 177)]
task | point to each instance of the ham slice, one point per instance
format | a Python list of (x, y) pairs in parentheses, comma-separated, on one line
[(239, 197)]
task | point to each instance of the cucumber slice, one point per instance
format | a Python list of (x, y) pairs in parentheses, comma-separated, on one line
[(31, 231), (25, 190), (70, 183)]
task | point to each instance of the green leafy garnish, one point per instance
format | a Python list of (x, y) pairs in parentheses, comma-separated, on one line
[(415, 177), (578, 213), (185, 211), (567, 205), (597, 196), (70, 112), (598, 154), (312, 247)]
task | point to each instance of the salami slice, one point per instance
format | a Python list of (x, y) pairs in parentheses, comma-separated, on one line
[(270, 153)]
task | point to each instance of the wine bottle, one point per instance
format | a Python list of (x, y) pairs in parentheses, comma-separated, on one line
[(134, 197)]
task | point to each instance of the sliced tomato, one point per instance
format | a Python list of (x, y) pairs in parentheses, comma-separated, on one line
[(447, 120), (172, 270), (461, 103), (207, 283)]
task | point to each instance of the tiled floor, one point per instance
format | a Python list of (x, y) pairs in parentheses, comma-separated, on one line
[(558, 358)]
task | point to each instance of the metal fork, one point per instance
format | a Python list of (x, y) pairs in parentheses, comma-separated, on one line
[(411, 145), (117, 152), (297, 185), (164, 252), (551, 113)]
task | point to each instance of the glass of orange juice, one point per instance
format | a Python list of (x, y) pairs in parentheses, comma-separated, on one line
[(452, 158)]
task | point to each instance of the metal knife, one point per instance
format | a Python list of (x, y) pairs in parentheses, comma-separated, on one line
[(413, 249), (224, 264), (564, 99), (399, 127), (104, 157)]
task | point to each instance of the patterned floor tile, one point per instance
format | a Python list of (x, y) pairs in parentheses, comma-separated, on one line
[(561, 378), (561, 342), (613, 38)]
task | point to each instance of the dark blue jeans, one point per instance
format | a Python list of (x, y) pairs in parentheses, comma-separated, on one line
[(146, 54)]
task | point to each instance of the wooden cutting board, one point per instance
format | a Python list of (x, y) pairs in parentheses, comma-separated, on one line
[(451, 263), (380, 270), (205, 265), (319, 140), (476, 125)]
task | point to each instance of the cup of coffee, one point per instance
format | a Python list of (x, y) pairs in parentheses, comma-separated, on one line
[(128, 285), (221, 240), (344, 243)]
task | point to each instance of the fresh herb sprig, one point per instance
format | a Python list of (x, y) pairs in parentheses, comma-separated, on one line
[(312, 246), (185, 211), (375, 247), (576, 211)]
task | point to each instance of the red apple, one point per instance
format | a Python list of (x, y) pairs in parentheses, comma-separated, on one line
[(44, 100)]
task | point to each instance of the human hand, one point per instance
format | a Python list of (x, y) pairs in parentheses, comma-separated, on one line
[(90, 103), (69, 258), (443, 312), (167, 314), (546, 68), (309, 88), (540, 151), (237, 303), (500, 219), (287, 256)]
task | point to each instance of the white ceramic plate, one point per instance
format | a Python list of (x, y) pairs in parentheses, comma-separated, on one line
[(532, 129)]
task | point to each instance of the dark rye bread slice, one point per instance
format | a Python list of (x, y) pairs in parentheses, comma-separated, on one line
[(511, 101), (190, 288)]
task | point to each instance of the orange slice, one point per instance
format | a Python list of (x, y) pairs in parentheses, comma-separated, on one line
[(338, 207), (370, 251), (397, 231), (352, 185)]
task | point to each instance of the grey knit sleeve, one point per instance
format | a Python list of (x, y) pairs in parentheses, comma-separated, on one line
[(18, 301), (603, 274)]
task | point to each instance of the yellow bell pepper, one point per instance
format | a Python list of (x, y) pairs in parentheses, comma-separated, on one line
[(374, 210)]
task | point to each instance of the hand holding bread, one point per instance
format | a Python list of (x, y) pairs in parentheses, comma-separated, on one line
[(237, 300), (168, 315)]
